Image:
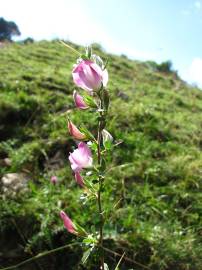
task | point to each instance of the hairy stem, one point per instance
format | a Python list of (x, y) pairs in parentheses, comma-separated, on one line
[(100, 176), (99, 157)]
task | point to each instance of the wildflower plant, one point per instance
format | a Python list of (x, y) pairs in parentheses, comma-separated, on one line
[(88, 159)]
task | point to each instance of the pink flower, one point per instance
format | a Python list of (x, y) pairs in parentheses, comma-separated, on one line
[(89, 76), (81, 157), (54, 179), (69, 225), (79, 101), (75, 132), (79, 179)]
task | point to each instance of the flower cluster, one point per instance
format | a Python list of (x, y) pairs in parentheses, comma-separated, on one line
[(89, 74)]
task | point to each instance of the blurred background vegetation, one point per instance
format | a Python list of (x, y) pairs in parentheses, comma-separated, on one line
[(154, 176)]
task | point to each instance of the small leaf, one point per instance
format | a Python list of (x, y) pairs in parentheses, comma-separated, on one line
[(88, 134), (106, 63), (89, 101), (84, 57), (90, 240), (97, 60), (86, 255), (119, 262), (88, 52), (107, 139), (106, 266), (103, 164), (108, 145), (80, 230), (93, 146)]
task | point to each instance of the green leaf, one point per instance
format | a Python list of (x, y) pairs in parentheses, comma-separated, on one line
[(97, 59), (108, 145), (89, 101), (107, 139), (84, 57), (93, 146), (119, 262), (88, 134), (90, 240), (86, 255), (106, 266), (103, 164), (80, 229), (106, 63), (88, 52)]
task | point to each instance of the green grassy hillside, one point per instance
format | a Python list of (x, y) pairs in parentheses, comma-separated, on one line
[(155, 172)]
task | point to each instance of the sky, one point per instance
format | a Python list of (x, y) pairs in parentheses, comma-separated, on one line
[(156, 30)]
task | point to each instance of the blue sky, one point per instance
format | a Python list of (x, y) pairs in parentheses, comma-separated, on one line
[(142, 29)]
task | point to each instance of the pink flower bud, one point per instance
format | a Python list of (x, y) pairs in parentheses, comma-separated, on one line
[(81, 157), (69, 225), (79, 179), (79, 101), (54, 180), (89, 76), (75, 132)]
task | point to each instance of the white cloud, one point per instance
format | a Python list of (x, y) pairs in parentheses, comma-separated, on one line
[(70, 20), (65, 19), (197, 5), (195, 71)]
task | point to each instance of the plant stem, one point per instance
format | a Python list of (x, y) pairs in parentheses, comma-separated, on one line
[(100, 178), (99, 157), (40, 255)]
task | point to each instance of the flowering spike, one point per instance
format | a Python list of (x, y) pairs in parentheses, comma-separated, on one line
[(75, 132), (79, 101)]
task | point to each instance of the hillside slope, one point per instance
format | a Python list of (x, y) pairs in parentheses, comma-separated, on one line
[(155, 172)]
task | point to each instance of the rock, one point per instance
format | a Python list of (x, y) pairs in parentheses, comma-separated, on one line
[(6, 162), (13, 183), (55, 162), (122, 95)]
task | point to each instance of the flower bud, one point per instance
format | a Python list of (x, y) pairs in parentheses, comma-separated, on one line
[(69, 225), (75, 132), (79, 179), (79, 101), (54, 180)]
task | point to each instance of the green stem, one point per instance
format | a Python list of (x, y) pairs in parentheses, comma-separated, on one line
[(40, 255), (25, 242), (46, 253), (69, 47)]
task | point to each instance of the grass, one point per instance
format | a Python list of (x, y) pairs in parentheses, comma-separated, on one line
[(155, 173)]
